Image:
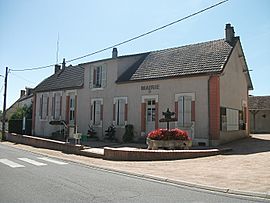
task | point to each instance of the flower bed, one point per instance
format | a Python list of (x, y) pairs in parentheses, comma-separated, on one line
[(168, 139)]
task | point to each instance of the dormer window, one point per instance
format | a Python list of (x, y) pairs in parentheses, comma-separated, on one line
[(97, 76)]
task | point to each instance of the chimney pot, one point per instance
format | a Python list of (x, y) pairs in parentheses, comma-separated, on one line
[(64, 64), (22, 93), (229, 34), (114, 53), (57, 67)]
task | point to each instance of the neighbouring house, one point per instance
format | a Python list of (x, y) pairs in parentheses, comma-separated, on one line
[(26, 99), (205, 84), (259, 114), (56, 99)]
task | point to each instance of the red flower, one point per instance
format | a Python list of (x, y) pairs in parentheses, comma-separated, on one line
[(163, 134)]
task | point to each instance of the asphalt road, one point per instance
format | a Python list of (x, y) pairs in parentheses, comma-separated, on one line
[(29, 177)]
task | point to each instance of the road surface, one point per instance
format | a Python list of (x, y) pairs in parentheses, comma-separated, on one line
[(29, 177)]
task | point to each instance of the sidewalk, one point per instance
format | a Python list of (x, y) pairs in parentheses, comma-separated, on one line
[(246, 168)]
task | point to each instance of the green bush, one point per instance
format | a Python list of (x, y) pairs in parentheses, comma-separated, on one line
[(129, 133), (25, 111)]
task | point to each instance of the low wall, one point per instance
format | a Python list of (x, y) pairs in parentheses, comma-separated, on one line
[(43, 143), (127, 154)]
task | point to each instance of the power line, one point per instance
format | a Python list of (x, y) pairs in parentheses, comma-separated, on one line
[(131, 39), (22, 78)]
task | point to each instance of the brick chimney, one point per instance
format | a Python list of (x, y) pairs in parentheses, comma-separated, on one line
[(114, 53), (57, 67), (229, 34), (22, 93)]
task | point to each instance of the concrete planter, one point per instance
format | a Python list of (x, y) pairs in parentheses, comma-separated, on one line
[(168, 144)]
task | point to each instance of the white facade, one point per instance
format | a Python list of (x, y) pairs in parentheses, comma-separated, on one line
[(209, 100)]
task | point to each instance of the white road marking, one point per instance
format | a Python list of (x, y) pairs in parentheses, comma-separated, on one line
[(11, 163), (52, 160), (30, 161)]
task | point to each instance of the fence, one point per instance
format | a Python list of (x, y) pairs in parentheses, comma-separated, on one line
[(16, 126)]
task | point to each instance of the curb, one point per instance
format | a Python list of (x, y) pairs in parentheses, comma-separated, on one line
[(265, 196)]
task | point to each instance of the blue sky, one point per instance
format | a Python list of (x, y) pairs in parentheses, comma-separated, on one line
[(29, 30)]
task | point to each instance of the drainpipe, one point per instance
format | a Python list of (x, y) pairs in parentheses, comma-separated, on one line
[(209, 110)]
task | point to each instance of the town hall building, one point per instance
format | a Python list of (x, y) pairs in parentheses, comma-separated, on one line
[(205, 84)]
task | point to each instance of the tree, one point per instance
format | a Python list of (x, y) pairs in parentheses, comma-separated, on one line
[(25, 111)]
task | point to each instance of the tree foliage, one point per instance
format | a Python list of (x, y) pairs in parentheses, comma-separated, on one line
[(25, 111)]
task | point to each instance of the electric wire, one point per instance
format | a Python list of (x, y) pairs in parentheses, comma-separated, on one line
[(128, 40), (22, 78)]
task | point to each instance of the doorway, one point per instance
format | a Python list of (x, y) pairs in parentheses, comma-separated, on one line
[(150, 114)]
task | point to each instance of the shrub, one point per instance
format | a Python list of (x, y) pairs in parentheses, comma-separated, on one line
[(129, 133)]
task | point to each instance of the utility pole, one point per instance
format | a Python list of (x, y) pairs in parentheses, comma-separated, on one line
[(4, 107)]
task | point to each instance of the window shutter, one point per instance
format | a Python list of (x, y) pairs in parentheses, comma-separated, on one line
[(187, 110), (126, 112), (53, 107), (94, 77), (91, 77), (121, 111), (67, 109), (41, 106), (60, 111), (143, 117), (101, 112), (104, 75), (181, 111), (193, 111), (75, 110), (91, 113), (176, 109), (114, 108)]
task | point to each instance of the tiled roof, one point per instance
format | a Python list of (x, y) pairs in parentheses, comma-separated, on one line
[(259, 102), (201, 58), (69, 78)]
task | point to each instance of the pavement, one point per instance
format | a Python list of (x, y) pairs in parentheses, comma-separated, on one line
[(245, 170)]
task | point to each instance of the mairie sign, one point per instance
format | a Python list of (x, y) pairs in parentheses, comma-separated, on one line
[(149, 87)]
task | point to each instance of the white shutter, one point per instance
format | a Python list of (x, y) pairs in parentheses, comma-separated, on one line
[(180, 111), (91, 77), (187, 110), (103, 75)]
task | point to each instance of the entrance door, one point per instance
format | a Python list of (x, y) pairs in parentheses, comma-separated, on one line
[(150, 114)]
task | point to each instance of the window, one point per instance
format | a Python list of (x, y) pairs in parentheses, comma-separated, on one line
[(120, 108), (97, 76), (232, 119), (229, 119), (72, 108), (151, 110), (184, 111), (57, 106), (44, 106), (96, 112)]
